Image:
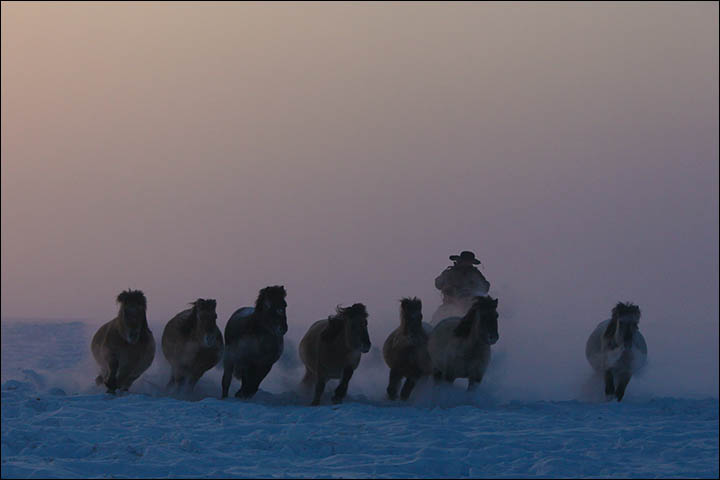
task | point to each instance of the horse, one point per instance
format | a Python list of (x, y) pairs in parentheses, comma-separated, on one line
[(124, 347), (616, 349), (192, 343), (254, 341), (460, 346), (332, 348), (405, 350)]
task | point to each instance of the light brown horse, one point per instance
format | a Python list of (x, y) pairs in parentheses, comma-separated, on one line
[(405, 350), (124, 347), (616, 348), (460, 347), (192, 343), (331, 349)]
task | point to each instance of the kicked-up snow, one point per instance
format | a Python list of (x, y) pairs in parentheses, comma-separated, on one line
[(57, 423)]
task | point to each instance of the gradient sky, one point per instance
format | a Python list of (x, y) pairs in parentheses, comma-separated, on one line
[(345, 150)]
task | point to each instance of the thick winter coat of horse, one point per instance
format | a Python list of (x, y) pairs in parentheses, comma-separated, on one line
[(331, 348), (124, 347), (192, 343), (616, 349), (460, 346)]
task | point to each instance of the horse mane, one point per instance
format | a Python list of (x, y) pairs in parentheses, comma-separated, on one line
[(618, 311), (626, 308), (356, 309), (187, 323), (333, 328), (268, 291), (481, 303), (337, 322), (132, 297), (204, 304), (611, 328), (408, 304)]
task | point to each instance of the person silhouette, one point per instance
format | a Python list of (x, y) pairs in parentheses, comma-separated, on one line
[(459, 284)]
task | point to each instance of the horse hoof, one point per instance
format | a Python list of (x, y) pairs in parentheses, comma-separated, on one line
[(243, 395)]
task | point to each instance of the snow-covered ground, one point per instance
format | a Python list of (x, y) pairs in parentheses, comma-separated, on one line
[(57, 423)]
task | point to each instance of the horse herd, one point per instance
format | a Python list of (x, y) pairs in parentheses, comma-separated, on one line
[(457, 347)]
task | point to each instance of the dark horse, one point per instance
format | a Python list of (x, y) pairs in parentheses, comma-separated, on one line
[(254, 341), (405, 350), (192, 343), (124, 347)]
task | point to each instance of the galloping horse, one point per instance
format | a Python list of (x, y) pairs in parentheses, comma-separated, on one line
[(124, 347), (617, 349)]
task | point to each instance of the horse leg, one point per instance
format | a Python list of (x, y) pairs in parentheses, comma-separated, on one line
[(254, 378), (261, 374), (307, 380), (180, 382), (474, 382), (341, 389), (407, 387), (173, 379), (609, 384), (192, 381), (226, 379), (125, 379), (393, 384), (319, 389), (244, 383), (622, 382), (111, 381)]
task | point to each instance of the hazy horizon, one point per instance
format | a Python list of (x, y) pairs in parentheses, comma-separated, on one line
[(346, 150)]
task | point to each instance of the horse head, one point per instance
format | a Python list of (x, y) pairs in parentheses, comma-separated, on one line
[(271, 308), (623, 325), (480, 323), (132, 315), (411, 316), (204, 321), (352, 322)]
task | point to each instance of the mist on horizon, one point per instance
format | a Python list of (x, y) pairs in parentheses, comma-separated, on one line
[(346, 150)]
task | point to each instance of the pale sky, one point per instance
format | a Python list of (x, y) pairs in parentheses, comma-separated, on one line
[(345, 150)]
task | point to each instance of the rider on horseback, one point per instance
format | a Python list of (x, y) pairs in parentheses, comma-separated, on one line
[(459, 284)]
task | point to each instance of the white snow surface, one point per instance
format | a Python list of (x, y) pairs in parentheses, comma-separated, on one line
[(57, 423)]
